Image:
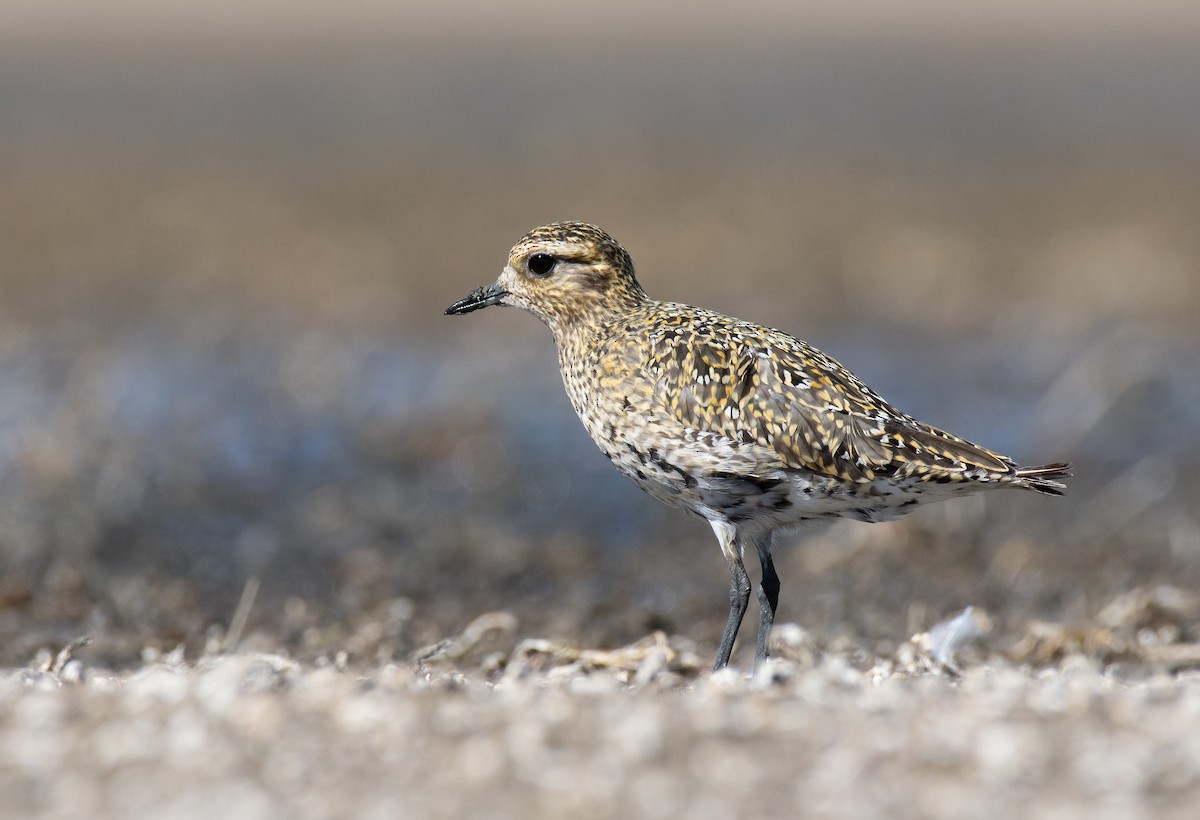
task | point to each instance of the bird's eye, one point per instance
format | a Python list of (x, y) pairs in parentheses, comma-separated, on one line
[(540, 264)]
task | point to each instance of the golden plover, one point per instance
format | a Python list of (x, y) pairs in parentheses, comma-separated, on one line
[(748, 427)]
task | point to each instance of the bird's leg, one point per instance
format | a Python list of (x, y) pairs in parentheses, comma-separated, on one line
[(739, 599), (768, 597)]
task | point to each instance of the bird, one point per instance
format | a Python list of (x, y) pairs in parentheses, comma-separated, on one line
[(743, 425)]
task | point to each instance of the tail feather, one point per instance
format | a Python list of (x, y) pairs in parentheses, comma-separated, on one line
[(1041, 479)]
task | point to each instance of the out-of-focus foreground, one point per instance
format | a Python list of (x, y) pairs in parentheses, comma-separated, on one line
[(226, 239)]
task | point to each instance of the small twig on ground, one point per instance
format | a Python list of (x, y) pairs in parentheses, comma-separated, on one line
[(64, 655), (237, 624), (457, 647)]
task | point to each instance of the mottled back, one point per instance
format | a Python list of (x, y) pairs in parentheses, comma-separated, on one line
[(752, 383)]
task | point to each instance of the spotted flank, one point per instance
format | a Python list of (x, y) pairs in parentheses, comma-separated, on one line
[(746, 426)]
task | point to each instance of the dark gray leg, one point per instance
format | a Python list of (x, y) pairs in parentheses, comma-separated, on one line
[(739, 599), (768, 597)]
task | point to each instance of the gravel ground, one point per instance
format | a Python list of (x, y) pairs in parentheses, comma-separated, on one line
[(551, 732)]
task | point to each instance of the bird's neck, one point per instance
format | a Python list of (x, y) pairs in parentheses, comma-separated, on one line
[(576, 335), (578, 330)]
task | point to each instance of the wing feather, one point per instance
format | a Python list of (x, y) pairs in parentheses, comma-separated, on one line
[(761, 387)]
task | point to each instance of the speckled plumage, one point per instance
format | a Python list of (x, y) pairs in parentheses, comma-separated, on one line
[(744, 425)]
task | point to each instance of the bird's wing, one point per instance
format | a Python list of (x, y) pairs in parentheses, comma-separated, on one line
[(759, 386)]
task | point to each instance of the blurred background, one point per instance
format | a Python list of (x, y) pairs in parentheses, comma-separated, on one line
[(228, 232)]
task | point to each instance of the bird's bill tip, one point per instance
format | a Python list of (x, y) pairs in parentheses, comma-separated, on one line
[(479, 298)]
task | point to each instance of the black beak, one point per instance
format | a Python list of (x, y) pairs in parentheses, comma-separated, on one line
[(478, 298)]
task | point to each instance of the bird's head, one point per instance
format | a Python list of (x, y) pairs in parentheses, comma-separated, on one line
[(562, 273)]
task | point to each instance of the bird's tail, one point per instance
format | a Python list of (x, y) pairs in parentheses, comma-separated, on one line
[(1041, 479)]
